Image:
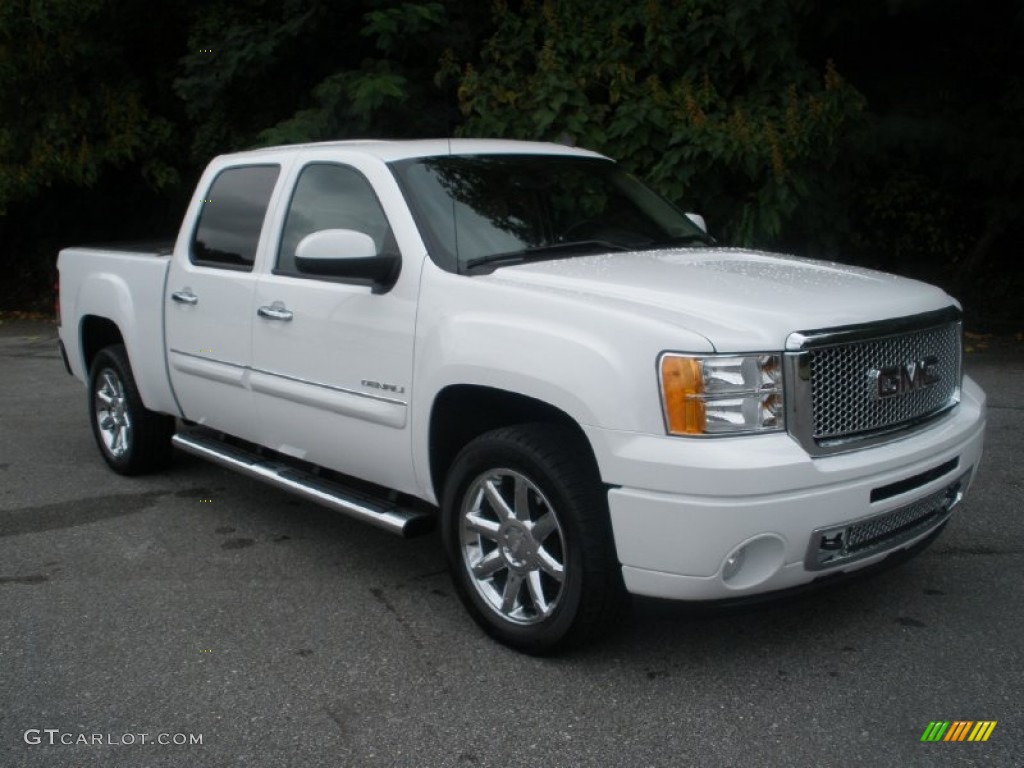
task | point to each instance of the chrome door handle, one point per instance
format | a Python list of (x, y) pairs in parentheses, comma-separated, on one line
[(275, 311), (185, 297)]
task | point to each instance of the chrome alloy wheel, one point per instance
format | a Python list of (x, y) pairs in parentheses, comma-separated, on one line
[(110, 406), (512, 546)]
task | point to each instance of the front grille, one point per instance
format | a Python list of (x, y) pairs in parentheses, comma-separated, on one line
[(843, 388), (859, 385), (847, 543)]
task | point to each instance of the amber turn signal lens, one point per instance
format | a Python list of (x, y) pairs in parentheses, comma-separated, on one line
[(682, 384)]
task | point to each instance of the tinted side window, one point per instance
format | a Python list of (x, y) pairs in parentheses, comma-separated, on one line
[(329, 196), (228, 231)]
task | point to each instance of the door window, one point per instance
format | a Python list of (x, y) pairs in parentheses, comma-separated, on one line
[(331, 196), (228, 232)]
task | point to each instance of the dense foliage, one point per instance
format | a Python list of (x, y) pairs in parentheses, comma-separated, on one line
[(883, 132), (715, 108)]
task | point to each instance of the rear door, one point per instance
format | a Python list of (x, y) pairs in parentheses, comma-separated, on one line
[(209, 300)]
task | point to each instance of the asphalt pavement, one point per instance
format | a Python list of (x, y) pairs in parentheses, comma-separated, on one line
[(244, 627)]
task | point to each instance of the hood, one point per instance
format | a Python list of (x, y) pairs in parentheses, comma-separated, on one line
[(739, 300)]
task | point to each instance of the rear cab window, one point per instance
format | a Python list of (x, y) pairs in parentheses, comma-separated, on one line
[(227, 233)]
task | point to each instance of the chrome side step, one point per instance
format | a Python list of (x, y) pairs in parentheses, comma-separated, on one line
[(382, 513)]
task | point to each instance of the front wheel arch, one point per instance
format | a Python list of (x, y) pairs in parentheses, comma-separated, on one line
[(461, 413)]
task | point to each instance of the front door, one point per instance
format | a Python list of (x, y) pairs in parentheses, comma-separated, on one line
[(332, 361)]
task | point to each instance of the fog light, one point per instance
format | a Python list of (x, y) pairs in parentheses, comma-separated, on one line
[(733, 563), (754, 561)]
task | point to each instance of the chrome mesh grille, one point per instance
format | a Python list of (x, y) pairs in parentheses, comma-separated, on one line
[(849, 542), (843, 400), (879, 529)]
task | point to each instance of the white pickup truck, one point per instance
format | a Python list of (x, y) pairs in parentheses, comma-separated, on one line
[(523, 342)]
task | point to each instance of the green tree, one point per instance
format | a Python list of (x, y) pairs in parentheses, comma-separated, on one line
[(709, 101), (250, 63), (73, 103), (911, 159), (266, 72), (90, 130), (939, 185), (388, 92)]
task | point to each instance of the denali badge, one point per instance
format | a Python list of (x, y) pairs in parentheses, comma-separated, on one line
[(903, 379), (382, 386)]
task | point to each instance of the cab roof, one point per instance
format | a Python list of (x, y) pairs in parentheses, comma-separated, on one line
[(389, 151)]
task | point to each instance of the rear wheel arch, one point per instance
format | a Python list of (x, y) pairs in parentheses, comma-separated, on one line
[(97, 333)]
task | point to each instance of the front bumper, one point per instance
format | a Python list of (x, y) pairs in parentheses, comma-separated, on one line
[(682, 509)]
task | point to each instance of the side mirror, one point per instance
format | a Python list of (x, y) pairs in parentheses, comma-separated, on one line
[(697, 219), (348, 254)]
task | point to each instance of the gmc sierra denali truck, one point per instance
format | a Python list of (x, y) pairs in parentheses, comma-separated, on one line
[(524, 343)]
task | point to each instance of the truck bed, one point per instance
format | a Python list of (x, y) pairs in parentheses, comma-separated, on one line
[(123, 283)]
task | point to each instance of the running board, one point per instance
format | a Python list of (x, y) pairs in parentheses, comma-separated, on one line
[(382, 513)]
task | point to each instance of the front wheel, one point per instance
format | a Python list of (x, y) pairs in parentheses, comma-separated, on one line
[(132, 439), (527, 533)]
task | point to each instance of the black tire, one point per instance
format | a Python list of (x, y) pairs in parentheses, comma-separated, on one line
[(131, 439), (541, 469)]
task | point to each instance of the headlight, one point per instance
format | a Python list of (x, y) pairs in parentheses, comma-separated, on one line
[(722, 394)]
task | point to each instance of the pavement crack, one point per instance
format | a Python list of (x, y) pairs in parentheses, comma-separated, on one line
[(381, 598), (33, 355), (340, 715), (237, 543), (70, 514), (34, 578), (430, 574)]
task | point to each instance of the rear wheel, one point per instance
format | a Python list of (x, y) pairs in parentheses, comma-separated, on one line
[(132, 439), (527, 533)]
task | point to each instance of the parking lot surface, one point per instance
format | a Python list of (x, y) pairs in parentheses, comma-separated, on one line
[(197, 605)]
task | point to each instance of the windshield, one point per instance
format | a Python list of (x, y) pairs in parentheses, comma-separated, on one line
[(494, 209)]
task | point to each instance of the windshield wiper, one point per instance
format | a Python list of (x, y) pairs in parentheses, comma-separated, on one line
[(541, 251)]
